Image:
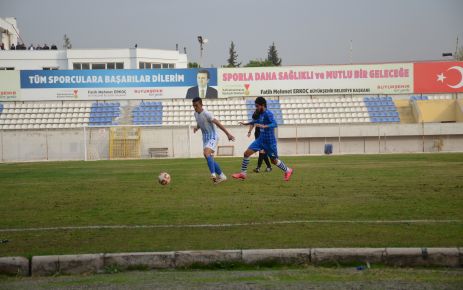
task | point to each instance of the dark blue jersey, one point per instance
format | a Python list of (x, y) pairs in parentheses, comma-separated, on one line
[(267, 135)]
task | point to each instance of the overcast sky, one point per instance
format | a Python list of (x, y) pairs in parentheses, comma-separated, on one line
[(305, 32)]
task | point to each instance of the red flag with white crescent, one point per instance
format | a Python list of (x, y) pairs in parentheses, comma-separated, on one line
[(438, 77)]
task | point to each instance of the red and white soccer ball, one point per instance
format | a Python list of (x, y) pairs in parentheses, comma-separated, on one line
[(164, 178)]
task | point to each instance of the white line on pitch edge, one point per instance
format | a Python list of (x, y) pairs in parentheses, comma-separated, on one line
[(92, 227)]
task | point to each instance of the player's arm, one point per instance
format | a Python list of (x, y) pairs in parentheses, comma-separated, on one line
[(246, 123), (218, 124), (251, 126), (196, 128)]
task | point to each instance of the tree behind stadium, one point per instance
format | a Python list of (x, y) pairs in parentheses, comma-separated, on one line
[(258, 63), (67, 42), (233, 57), (459, 54), (273, 55)]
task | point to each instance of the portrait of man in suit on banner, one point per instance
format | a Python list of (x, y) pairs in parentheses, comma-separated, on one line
[(202, 90)]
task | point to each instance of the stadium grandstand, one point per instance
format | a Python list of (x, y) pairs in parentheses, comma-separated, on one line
[(85, 130), (87, 104), (288, 110)]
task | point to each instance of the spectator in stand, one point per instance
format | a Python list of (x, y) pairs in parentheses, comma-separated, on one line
[(46, 47), (2, 46), (31, 47), (54, 47), (13, 47), (38, 47), (21, 46)]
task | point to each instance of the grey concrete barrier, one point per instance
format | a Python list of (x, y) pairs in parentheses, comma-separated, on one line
[(94, 263), (461, 256), (81, 264), (14, 266), (447, 257), (184, 259), (66, 264), (44, 265), (322, 256), (155, 260), (277, 256)]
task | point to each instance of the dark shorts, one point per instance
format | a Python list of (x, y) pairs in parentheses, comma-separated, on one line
[(270, 149)]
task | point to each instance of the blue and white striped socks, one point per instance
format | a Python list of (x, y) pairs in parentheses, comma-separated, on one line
[(244, 165), (282, 165)]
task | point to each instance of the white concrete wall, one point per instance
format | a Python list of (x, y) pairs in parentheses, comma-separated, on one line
[(65, 144), (64, 59), (97, 140), (99, 56), (161, 56), (69, 144), (24, 146), (33, 59)]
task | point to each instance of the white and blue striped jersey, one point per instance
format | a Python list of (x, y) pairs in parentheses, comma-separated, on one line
[(204, 121)]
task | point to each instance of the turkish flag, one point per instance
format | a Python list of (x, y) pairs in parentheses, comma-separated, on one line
[(438, 77)]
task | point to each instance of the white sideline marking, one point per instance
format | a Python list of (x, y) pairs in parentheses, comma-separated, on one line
[(97, 227)]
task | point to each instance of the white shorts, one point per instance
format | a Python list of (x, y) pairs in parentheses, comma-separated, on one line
[(211, 143)]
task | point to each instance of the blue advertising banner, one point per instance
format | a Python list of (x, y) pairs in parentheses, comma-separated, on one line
[(37, 85), (70, 79)]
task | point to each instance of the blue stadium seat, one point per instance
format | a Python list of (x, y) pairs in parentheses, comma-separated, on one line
[(419, 98), (148, 113), (104, 113), (273, 105), (381, 109)]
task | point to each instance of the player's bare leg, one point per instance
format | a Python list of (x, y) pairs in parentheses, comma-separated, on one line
[(244, 165)]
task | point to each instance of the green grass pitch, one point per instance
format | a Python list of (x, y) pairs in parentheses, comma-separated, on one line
[(336, 188)]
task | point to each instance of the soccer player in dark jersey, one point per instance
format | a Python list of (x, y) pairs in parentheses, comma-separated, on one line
[(266, 141), (262, 155)]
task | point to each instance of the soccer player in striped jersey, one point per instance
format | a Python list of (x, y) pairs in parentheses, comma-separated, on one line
[(206, 121), (266, 141)]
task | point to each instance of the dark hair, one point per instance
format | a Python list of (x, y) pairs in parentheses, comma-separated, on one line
[(198, 99), (255, 115), (204, 71), (261, 101)]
